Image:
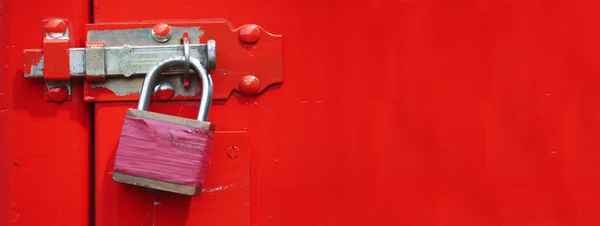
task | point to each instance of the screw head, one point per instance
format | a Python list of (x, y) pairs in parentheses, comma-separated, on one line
[(233, 152), (56, 28), (249, 33), (161, 32), (249, 85), (164, 91), (58, 93)]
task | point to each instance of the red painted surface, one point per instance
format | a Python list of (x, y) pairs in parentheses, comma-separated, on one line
[(31, 59), (56, 60), (44, 146), (226, 191), (235, 59), (428, 112), (164, 151)]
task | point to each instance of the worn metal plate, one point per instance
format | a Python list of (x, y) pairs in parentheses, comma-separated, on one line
[(95, 65), (140, 36), (124, 89), (234, 59), (120, 61)]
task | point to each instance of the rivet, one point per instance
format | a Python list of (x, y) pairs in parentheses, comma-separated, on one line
[(250, 33), (164, 91), (233, 152), (58, 93), (249, 85), (56, 28), (161, 32)]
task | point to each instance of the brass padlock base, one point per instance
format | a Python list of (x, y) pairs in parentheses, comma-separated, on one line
[(163, 152), (154, 184), (170, 119)]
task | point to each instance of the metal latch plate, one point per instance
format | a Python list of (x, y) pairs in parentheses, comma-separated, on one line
[(124, 52)]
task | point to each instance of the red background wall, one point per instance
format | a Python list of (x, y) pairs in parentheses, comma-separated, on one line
[(432, 112)]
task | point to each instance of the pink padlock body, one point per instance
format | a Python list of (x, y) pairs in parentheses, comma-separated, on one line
[(164, 148)]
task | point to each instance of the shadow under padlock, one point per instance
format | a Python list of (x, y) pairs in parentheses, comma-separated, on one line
[(165, 152)]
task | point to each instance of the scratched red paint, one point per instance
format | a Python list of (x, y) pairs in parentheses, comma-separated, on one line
[(103, 94), (163, 151), (31, 58)]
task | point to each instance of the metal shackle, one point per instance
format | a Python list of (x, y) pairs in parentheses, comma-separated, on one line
[(207, 86)]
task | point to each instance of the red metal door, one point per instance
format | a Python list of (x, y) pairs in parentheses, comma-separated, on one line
[(470, 112), (405, 112), (44, 146)]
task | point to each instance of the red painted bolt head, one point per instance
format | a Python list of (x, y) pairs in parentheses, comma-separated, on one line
[(161, 32), (233, 152), (165, 94), (249, 85), (56, 26), (250, 33), (164, 91), (58, 93)]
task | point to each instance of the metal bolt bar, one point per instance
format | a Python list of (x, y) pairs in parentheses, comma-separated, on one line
[(131, 60)]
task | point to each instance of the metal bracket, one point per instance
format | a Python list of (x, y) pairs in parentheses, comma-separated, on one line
[(95, 61), (55, 46), (117, 56)]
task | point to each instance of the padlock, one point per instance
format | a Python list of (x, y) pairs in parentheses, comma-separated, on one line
[(166, 152)]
